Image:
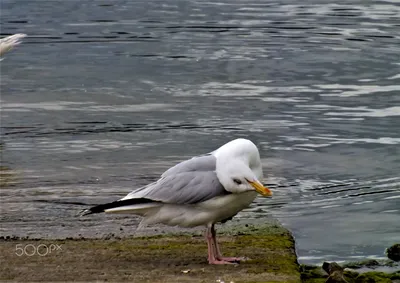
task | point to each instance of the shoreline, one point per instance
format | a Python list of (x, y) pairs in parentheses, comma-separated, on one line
[(172, 255), (158, 258)]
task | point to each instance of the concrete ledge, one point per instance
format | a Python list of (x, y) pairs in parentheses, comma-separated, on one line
[(166, 258)]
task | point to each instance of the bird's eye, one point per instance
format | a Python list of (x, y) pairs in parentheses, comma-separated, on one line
[(237, 181)]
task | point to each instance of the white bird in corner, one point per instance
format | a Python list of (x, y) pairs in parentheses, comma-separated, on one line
[(9, 42), (200, 191)]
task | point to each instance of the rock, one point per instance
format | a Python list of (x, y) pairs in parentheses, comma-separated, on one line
[(373, 277), (335, 272), (360, 264), (393, 252), (331, 267), (336, 277), (371, 263), (311, 272), (350, 273)]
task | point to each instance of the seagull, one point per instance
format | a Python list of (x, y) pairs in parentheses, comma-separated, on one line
[(200, 191), (7, 43)]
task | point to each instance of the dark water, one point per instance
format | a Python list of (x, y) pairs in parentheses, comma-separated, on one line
[(105, 95)]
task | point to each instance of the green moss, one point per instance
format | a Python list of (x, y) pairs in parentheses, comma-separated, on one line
[(161, 258), (267, 245), (373, 277), (350, 274), (312, 274)]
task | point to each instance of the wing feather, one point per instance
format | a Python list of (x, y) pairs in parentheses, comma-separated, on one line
[(199, 163), (189, 182)]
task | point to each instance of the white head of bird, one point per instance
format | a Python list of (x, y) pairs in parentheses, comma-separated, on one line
[(239, 167)]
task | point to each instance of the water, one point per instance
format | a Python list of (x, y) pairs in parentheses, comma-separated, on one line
[(103, 96)]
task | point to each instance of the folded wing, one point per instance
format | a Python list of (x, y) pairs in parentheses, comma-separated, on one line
[(189, 182)]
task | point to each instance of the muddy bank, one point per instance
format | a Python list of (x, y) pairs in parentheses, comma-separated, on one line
[(164, 258)]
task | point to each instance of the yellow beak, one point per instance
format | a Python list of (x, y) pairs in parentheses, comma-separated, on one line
[(264, 191)]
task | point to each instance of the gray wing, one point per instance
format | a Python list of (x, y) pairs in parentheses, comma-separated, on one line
[(199, 163), (188, 182)]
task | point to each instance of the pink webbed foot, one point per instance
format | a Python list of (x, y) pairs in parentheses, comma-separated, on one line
[(214, 254), (234, 259), (218, 261)]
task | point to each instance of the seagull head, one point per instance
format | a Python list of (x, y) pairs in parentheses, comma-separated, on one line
[(237, 177), (239, 167)]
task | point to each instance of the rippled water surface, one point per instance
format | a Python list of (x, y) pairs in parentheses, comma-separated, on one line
[(103, 96)]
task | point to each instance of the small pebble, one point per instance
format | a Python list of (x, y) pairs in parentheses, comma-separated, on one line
[(186, 271)]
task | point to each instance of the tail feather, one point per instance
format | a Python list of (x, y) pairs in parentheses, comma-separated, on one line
[(119, 203)]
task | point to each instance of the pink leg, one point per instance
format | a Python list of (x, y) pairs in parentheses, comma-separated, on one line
[(218, 254), (212, 259)]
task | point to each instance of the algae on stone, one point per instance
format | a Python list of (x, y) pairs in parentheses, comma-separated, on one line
[(169, 258), (312, 274), (393, 252)]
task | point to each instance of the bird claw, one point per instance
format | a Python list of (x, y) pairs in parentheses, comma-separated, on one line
[(227, 260), (234, 259), (218, 261)]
